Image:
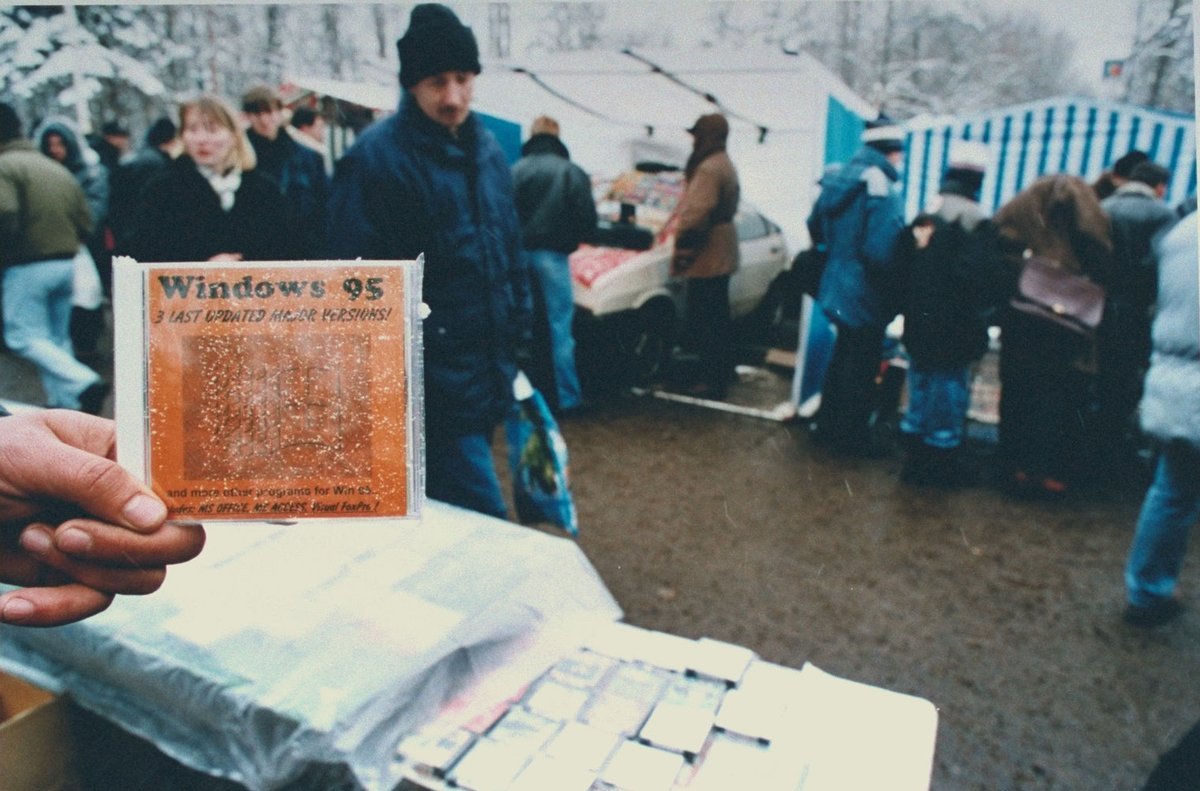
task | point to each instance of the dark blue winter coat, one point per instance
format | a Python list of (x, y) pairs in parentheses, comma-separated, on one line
[(408, 187), (300, 174), (858, 218)]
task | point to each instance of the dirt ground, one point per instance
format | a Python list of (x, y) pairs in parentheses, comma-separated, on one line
[(1004, 613)]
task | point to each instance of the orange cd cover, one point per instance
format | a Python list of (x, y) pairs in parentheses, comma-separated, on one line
[(272, 391)]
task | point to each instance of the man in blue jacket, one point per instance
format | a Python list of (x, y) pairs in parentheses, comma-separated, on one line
[(857, 220), (431, 179)]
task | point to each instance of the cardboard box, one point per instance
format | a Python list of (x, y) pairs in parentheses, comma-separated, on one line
[(49, 743), (34, 739)]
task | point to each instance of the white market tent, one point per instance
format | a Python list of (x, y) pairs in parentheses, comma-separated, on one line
[(619, 107)]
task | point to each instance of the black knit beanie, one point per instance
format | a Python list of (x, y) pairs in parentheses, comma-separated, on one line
[(436, 41)]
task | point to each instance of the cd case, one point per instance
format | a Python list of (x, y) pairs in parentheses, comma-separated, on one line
[(271, 390)]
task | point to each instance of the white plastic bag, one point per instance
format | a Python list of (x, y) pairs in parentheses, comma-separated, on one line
[(88, 293)]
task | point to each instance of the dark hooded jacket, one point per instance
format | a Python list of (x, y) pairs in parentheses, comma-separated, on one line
[(553, 196), (406, 188), (300, 174), (84, 164), (948, 285), (706, 243), (857, 219), (129, 181)]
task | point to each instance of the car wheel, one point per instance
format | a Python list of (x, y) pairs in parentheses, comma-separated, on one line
[(647, 341)]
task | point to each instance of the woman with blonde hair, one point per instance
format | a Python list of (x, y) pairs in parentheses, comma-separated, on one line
[(210, 204)]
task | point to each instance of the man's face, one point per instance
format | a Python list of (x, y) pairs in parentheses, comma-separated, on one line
[(895, 157), (315, 130), (446, 97), (119, 142), (266, 122)]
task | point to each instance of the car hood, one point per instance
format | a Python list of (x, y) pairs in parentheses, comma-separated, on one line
[(589, 264)]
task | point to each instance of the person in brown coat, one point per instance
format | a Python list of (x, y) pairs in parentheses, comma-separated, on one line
[(706, 254), (1045, 372)]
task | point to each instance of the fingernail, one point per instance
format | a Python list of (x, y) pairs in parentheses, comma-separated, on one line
[(16, 610), (144, 511), (73, 541), (36, 541)]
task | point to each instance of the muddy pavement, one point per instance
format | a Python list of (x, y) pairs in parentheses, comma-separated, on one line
[(1004, 613)]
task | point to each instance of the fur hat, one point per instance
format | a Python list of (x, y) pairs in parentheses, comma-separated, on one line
[(436, 41), (883, 136), (964, 174), (969, 155)]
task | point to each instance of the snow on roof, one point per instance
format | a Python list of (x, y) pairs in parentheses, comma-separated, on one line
[(384, 98)]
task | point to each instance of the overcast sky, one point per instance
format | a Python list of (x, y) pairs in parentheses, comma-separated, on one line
[(1102, 29)]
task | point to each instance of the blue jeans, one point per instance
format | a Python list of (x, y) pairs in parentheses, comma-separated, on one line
[(554, 276), (1171, 507), (459, 470), (937, 406), (37, 321)]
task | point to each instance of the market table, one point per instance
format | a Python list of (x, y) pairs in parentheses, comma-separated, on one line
[(323, 643)]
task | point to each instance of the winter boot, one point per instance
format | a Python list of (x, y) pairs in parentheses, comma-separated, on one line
[(917, 462), (951, 467)]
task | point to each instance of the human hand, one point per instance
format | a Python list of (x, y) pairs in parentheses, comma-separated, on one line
[(76, 528)]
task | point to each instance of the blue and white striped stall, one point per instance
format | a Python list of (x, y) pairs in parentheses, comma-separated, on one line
[(1071, 135)]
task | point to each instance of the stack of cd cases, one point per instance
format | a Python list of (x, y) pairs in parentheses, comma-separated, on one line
[(701, 714)]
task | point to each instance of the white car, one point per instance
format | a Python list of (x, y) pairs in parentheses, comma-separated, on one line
[(628, 308)]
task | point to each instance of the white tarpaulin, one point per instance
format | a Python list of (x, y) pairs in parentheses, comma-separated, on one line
[(618, 107), (284, 647)]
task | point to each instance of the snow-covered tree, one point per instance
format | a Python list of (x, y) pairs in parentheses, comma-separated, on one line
[(60, 61), (1161, 70), (942, 56)]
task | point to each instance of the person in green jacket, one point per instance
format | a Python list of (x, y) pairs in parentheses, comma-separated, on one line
[(44, 219)]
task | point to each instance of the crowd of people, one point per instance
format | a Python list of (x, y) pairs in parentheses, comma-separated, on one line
[(214, 184), (1079, 404), (1069, 399), (429, 179)]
